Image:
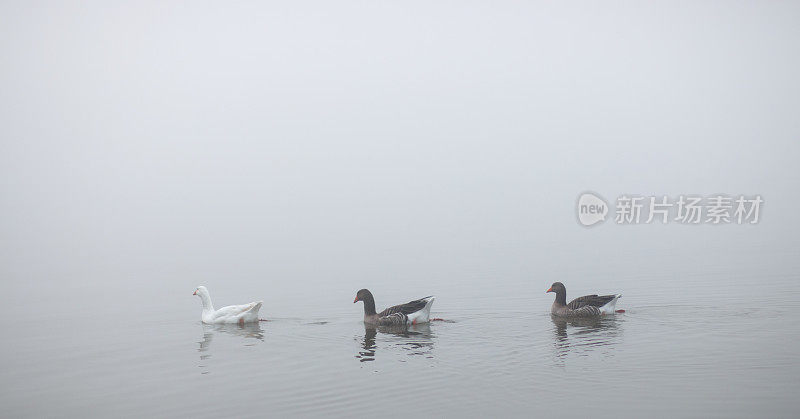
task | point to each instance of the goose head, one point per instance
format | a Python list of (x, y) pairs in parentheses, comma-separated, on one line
[(363, 295), (205, 297), (201, 290), (369, 301), (557, 288), (561, 293)]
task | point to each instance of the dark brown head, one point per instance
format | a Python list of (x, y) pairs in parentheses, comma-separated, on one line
[(557, 287), (561, 292), (369, 302), (363, 295)]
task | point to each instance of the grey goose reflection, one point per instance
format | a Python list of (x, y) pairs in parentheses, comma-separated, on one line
[(415, 340)]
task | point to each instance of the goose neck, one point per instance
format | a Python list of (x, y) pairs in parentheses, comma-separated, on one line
[(369, 305), (561, 297), (206, 299)]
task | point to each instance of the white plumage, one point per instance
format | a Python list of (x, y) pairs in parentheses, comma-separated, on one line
[(610, 307), (245, 313), (423, 315)]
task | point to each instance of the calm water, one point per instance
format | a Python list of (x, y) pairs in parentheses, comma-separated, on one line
[(727, 352)]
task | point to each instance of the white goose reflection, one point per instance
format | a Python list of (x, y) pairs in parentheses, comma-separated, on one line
[(252, 333)]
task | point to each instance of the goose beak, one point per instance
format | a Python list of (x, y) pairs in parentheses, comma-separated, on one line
[(549, 289), (195, 292), (355, 301)]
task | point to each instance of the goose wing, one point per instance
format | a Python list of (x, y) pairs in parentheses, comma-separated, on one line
[(393, 319), (236, 311), (593, 300), (586, 311), (405, 309)]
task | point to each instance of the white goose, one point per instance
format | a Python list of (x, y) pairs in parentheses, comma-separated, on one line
[(245, 313)]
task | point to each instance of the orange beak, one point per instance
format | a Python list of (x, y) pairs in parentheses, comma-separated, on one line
[(355, 301), (549, 289), (195, 292)]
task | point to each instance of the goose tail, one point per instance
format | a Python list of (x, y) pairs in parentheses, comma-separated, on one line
[(423, 315), (609, 307)]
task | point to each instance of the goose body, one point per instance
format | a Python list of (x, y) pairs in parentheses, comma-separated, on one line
[(587, 306), (245, 313), (412, 312)]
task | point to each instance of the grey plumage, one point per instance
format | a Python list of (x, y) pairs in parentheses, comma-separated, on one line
[(395, 315), (586, 306)]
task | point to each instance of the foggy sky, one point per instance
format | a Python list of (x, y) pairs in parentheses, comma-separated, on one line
[(272, 149)]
